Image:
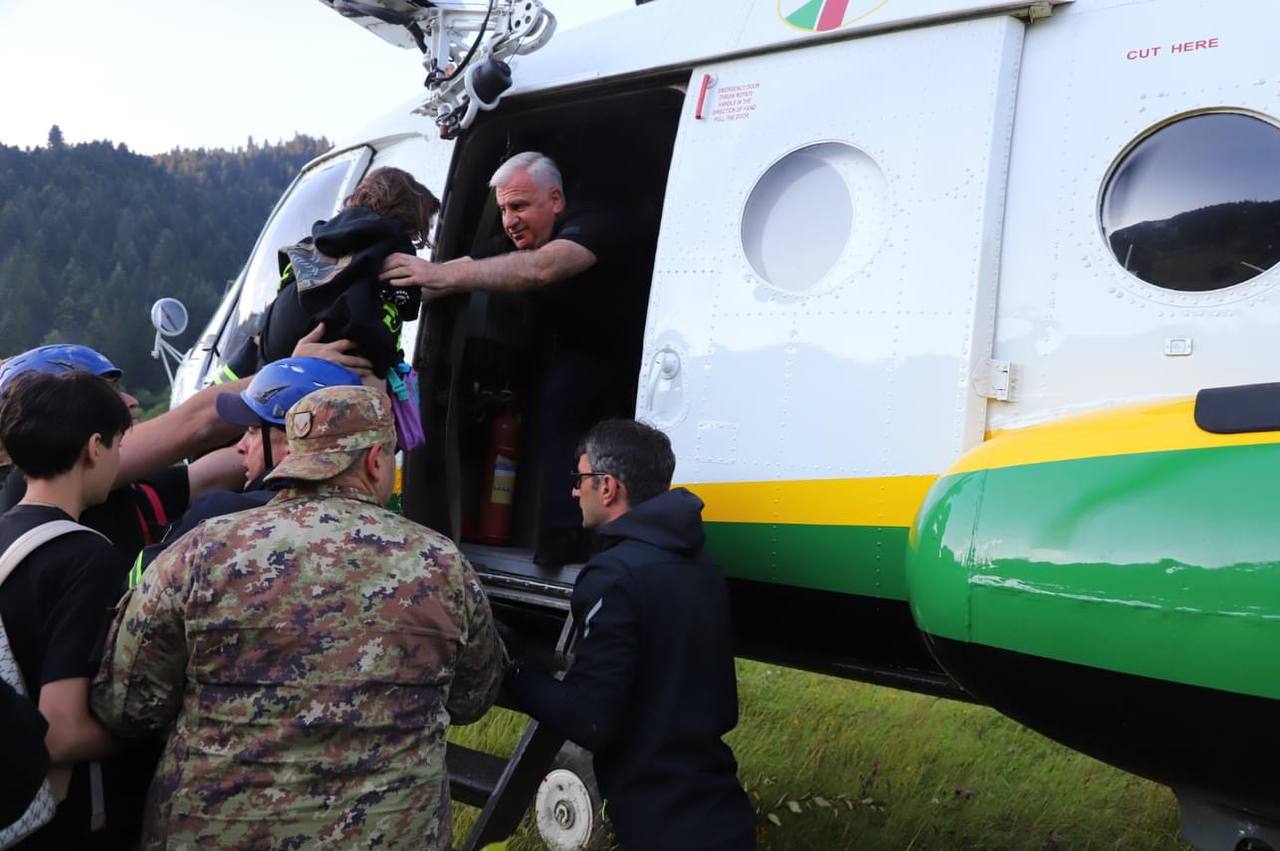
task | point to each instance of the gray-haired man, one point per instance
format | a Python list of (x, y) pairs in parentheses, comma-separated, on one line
[(572, 258)]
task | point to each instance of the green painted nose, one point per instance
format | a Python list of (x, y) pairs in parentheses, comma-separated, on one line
[(1160, 564)]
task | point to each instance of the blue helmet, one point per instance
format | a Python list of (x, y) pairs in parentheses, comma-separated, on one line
[(277, 387), (59, 357)]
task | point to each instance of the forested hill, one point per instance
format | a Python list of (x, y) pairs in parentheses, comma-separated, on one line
[(92, 234)]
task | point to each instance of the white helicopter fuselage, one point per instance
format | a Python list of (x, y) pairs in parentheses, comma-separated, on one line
[(893, 234)]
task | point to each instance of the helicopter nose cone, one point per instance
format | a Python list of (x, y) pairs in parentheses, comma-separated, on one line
[(940, 560), (1113, 581)]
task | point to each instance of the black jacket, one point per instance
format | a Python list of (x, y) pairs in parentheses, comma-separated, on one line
[(332, 277), (652, 689)]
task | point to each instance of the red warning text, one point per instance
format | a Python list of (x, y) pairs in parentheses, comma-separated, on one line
[(1154, 52)]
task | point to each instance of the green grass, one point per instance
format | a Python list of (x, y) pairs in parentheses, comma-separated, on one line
[(842, 765)]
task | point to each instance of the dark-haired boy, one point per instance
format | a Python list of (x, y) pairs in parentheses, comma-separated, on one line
[(652, 689), (64, 433), (138, 510)]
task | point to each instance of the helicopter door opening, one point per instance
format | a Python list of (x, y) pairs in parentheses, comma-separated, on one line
[(482, 358)]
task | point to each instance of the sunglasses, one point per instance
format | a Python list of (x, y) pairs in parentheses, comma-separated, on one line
[(575, 478)]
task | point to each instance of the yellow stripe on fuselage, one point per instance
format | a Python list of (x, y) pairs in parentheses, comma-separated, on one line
[(1131, 430), (894, 500), (888, 501)]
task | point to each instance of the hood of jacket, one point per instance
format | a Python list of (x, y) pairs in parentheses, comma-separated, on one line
[(357, 228), (672, 521)]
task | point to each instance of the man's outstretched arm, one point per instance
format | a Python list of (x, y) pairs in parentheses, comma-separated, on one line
[(190, 429), (518, 271), (193, 428), (589, 705), (219, 470)]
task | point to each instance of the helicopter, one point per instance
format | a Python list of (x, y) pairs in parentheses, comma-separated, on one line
[(958, 314)]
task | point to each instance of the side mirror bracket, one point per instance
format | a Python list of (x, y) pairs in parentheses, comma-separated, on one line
[(169, 318)]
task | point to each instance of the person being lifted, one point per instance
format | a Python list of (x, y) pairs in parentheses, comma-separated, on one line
[(329, 288), (570, 258)]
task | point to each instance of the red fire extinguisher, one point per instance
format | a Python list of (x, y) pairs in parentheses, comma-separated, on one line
[(500, 479)]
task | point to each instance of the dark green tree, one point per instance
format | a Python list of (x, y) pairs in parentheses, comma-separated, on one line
[(92, 234)]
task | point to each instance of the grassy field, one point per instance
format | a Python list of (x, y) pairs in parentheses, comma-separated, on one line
[(832, 764)]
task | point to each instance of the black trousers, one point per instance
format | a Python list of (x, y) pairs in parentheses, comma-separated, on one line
[(579, 389)]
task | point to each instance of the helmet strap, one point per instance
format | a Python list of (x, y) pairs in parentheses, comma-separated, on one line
[(266, 445)]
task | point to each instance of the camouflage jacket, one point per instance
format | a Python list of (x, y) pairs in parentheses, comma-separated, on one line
[(306, 658)]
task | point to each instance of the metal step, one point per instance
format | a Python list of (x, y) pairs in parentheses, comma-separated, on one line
[(509, 575), (473, 775), (502, 788)]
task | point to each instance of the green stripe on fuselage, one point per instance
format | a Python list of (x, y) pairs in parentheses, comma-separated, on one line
[(1163, 564), (863, 560)]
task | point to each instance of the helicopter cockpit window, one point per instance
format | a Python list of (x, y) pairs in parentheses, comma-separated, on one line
[(316, 195), (1195, 205)]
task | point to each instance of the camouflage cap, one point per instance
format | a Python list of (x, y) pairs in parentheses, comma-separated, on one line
[(329, 428)]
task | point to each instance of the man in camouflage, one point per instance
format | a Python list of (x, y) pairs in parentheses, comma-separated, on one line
[(308, 654)]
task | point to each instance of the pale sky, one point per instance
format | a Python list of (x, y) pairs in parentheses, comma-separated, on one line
[(156, 74)]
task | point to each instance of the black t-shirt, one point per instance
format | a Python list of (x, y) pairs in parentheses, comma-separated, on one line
[(595, 310), (56, 606), (134, 515)]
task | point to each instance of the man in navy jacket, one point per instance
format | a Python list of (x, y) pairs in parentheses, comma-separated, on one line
[(652, 688)]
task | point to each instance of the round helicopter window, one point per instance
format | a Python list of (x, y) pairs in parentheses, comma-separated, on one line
[(799, 220), (1195, 205)]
